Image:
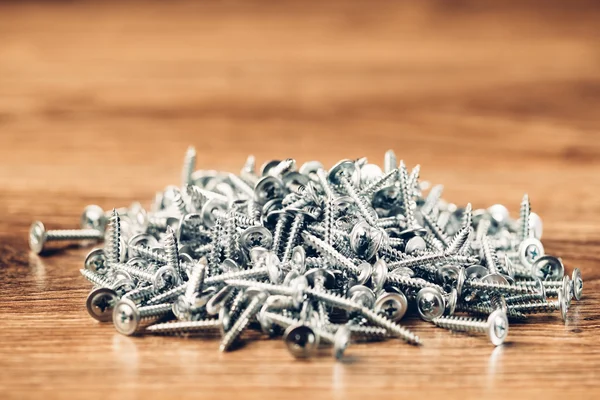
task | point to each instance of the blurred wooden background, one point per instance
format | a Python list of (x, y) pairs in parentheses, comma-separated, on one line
[(98, 101)]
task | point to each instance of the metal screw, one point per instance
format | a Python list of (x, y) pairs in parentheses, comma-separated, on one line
[(496, 325), (38, 236)]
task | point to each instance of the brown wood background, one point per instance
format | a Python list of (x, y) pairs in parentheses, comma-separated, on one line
[(98, 102)]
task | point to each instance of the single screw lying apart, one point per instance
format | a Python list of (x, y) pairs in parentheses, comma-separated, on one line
[(496, 325), (39, 236)]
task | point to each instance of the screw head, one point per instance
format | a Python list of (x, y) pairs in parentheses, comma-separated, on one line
[(209, 208), (567, 289), (142, 240), (451, 301), (310, 168), (256, 236), (216, 302), (187, 225), (93, 217), (430, 303), (548, 268), (268, 188), (95, 261), (536, 225), (564, 305), (362, 295), (379, 275), (495, 278), (460, 281), (415, 244), (529, 251), (346, 168), (328, 277), (342, 340), (392, 305), (540, 288), (100, 304), (365, 273), (126, 317), (166, 277), (497, 327), (273, 265), (366, 240), (301, 341), (447, 275), (499, 214), (37, 237), (577, 284), (298, 259), (475, 272)]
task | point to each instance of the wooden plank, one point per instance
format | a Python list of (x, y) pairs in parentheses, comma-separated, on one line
[(98, 102)]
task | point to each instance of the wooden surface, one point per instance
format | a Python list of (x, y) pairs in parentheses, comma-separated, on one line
[(98, 102)]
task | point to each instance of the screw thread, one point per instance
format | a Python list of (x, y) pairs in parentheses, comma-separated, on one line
[(330, 252), (140, 295), (393, 328), (413, 283), (329, 222), (189, 165), (524, 214), (434, 243), (278, 233), (389, 161), (436, 230), (95, 278), (535, 307), (178, 202), (489, 255), (363, 207), (295, 229), (242, 321), (199, 196), (136, 272), (154, 311), (73, 234), (333, 299), (322, 176), (113, 245), (462, 324), (173, 328), (169, 295), (413, 181), (407, 200), (432, 199), (484, 309), (172, 252), (497, 287), (255, 273), (196, 281), (268, 287), (215, 253), (377, 184), (282, 167)]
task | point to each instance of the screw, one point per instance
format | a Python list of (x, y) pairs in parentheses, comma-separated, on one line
[(129, 319), (38, 236), (496, 325), (257, 299), (524, 221), (189, 165), (339, 175)]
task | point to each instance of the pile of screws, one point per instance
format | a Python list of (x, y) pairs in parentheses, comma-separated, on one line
[(322, 258)]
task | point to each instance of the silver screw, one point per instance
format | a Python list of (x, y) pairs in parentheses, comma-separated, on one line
[(496, 325), (38, 236)]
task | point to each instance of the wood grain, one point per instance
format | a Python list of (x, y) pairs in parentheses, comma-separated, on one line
[(99, 100)]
